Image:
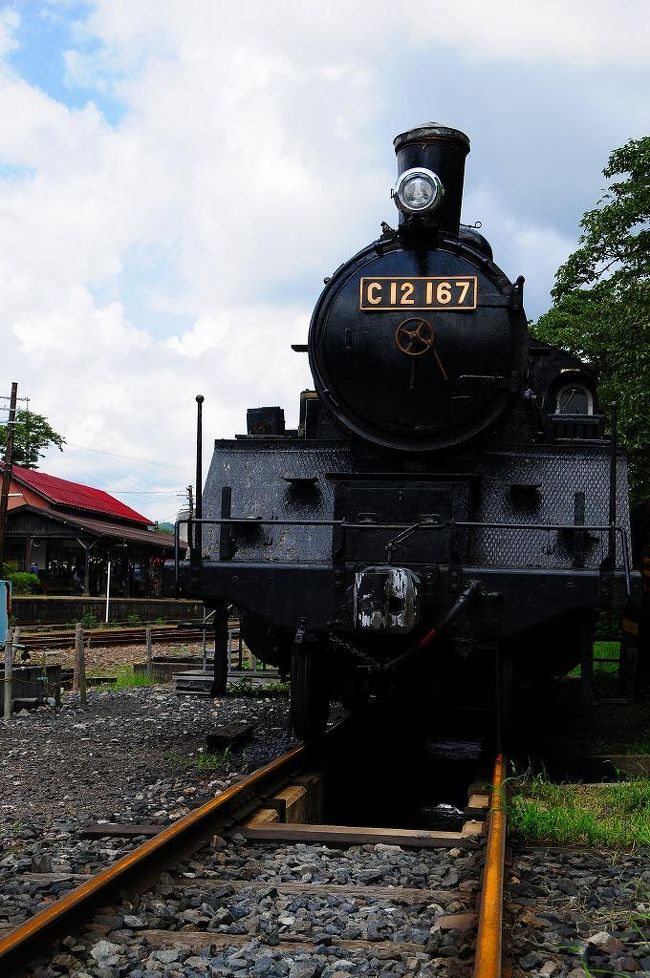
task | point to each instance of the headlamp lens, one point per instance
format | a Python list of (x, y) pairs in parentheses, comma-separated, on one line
[(418, 191)]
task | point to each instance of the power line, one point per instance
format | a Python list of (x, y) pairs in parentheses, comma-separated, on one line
[(142, 492), (129, 458)]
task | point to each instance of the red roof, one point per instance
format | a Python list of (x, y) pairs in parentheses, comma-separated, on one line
[(116, 531), (76, 496)]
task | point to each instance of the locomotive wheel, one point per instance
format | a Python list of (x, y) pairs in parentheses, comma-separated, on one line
[(310, 703)]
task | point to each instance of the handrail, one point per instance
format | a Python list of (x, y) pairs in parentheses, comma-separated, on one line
[(414, 527)]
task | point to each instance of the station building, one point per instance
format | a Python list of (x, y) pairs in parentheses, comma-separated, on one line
[(68, 532)]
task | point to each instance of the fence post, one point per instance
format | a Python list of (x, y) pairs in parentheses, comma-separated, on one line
[(79, 674), (149, 651), (9, 662)]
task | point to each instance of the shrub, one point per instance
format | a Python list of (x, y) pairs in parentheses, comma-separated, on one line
[(89, 620), (23, 582)]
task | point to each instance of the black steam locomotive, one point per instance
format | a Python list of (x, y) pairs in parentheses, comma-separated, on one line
[(449, 507)]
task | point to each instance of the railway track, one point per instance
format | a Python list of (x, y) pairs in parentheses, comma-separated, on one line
[(228, 871), (108, 636)]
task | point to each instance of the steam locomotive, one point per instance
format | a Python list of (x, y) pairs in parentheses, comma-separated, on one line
[(449, 509)]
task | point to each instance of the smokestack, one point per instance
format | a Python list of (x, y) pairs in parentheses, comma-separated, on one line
[(442, 150)]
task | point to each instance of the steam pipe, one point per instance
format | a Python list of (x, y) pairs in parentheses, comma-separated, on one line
[(403, 660)]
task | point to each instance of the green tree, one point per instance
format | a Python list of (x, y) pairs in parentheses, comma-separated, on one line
[(601, 308), (33, 434)]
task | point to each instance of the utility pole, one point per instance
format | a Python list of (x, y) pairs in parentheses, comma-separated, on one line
[(6, 472)]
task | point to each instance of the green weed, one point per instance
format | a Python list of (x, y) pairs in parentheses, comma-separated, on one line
[(128, 679), (615, 814), (605, 677), (199, 762), (89, 620), (211, 762), (177, 760), (245, 687)]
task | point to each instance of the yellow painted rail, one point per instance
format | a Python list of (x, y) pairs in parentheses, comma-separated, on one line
[(487, 963)]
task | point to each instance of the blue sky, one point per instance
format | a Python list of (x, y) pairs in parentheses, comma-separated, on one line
[(176, 180), (46, 33)]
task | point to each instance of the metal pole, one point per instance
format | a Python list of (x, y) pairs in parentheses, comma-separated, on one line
[(9, 662), (198, 529), (149, 651), (6, 472), (78, 640), (79, 678), (108, 590), (204, 651)]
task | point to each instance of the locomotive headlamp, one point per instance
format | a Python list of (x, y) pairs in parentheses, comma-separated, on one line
[(418, 191)]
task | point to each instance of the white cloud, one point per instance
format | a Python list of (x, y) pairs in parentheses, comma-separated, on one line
[(181, 248), (587, 33)]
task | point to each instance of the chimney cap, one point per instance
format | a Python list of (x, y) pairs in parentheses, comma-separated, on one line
[(430, 132)]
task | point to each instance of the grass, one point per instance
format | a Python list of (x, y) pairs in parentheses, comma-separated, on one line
[(200, 761), (616, 815), (126, 678), (605, 681), (245, 687), (604, 650), (212, 762)]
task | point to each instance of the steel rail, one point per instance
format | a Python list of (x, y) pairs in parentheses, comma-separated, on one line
[(18, 945), (122, 636), (488, 960)]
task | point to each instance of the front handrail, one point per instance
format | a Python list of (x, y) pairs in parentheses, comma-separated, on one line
[(408, 528)]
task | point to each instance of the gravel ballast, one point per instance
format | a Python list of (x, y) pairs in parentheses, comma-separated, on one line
[(579, 912), (136, 755), (299, 911)]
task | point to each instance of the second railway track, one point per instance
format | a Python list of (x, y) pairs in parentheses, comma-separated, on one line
[(108, 636), (253, 883)]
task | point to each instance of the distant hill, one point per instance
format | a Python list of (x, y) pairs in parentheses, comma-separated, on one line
[(165, 527)]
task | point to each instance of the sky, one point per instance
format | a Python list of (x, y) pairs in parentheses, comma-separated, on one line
[(176, 179)]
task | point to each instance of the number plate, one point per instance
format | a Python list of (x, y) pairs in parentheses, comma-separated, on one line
[(376, 294)]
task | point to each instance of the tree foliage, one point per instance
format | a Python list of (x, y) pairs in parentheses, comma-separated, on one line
[(601, 308), (33, 434)]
